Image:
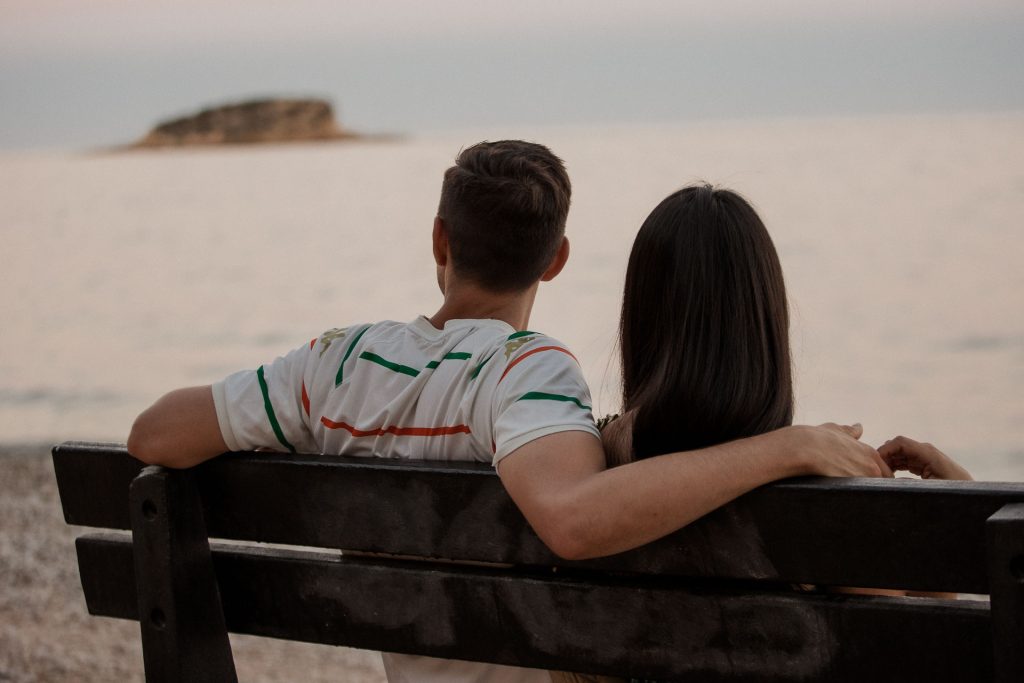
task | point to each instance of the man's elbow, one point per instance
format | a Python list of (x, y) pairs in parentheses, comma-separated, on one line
[(154, 444), (145, 443), (570, 549), (179, 430), (568, 538)]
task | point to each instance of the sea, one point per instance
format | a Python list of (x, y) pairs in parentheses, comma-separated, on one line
[(127, 274)]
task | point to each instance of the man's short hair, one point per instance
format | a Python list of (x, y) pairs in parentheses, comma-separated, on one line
[(504, 206)]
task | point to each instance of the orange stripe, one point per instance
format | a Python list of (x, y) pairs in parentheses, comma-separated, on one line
[(305, 398), (530, 353), (397, 431)]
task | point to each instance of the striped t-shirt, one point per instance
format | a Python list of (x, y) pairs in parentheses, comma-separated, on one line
[(476, 390)]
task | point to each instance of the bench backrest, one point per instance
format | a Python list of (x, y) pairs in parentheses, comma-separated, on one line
[(710, 602)]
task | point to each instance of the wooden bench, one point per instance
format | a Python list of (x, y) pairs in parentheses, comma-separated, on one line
[(714, 601)]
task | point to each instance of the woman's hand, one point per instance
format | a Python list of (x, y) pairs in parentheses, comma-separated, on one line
[(922, 459)]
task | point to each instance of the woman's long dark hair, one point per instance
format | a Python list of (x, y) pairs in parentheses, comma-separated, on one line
[(705, 326)]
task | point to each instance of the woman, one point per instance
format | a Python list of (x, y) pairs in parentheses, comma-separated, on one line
[(704, 337), (704, 332)]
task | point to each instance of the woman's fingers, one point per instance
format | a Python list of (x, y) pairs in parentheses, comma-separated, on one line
[(922, 459)]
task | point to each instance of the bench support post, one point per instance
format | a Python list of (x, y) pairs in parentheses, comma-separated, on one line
[(1005, 537), (184, 637)]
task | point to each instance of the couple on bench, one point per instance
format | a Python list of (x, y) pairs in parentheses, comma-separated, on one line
[(707, 381)]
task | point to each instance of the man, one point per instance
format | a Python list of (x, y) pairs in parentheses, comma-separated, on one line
[(473, 383)]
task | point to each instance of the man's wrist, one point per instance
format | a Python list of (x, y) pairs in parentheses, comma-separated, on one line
[(796, 450)]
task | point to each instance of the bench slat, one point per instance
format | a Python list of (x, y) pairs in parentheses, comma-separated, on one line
[(583, 622), (924, 535)]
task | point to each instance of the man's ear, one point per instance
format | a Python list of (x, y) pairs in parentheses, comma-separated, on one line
[(439, 239), (557, 263)]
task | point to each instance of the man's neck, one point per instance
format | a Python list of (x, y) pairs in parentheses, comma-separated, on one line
[(471, 302)]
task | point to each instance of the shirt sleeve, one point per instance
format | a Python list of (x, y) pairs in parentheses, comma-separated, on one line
[(263, 408), (541, 392)]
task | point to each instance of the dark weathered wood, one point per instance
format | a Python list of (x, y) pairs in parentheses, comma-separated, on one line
[(88, 473), (911, 534), (107, 573), (184, 637), (655, 612), (693, 631), (1005, 536)]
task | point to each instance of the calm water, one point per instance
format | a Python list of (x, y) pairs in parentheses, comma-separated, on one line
[(127, 275)]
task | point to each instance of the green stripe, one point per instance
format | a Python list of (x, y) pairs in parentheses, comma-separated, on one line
[(270, 411), (520, 334), (476, 370), (404, 369), (341, 368), (454, 355), (539, 396)]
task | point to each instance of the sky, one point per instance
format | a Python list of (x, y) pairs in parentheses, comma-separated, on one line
[(89, 73)]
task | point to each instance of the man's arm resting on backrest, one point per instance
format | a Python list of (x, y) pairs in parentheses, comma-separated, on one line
[(179, 430), (577, 507), (581, 510)]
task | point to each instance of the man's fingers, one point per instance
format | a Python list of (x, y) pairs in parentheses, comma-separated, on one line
[(855, 430)]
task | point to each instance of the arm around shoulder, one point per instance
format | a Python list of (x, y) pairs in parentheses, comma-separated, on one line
[(179, 430), (580, 509)]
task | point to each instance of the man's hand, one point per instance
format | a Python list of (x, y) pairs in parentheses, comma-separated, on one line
[(922, 459), (834, 450)]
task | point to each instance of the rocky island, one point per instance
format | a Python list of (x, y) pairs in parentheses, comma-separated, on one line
[(254, 121)]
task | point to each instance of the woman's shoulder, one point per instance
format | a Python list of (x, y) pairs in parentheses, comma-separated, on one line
[(617, 437)]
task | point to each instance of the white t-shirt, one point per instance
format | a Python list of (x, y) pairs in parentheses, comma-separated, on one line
[(476, 390)]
